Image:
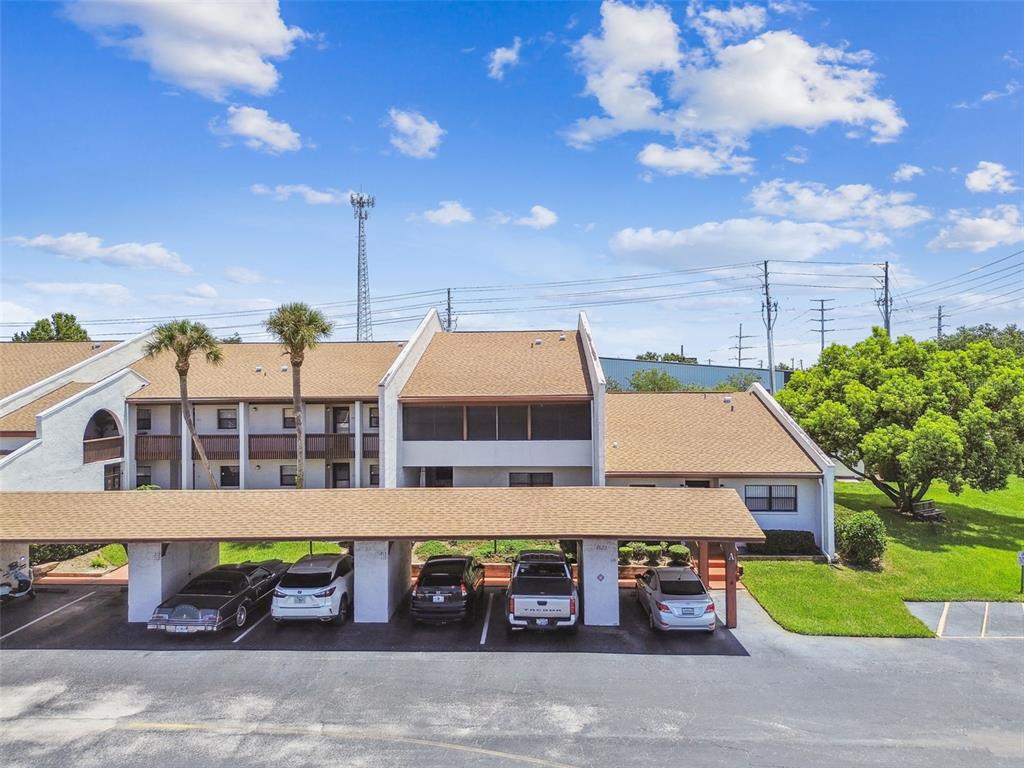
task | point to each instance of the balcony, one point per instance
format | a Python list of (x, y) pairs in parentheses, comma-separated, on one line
[(218, 447), (102, 449), (328, 446), (371, 446), (157, 447)]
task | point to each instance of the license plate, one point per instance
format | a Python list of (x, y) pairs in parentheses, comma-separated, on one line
[(300, 599), (438, 598), (542, 622), (686, 612), (181, 629)]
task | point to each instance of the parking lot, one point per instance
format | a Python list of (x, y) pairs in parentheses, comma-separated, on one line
[(95, 618), (972, 620)]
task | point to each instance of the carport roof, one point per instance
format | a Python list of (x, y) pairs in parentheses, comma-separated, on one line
[(712, 514)]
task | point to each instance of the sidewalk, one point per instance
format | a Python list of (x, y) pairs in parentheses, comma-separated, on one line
[(114, 578)]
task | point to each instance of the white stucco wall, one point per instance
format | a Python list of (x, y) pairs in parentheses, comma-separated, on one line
[(599, 571), (53, 461), (160, 417), (497, 477), (496, 453), (599, 387), (657, 482), (153, 575), (382, 578), (206, 418), (265, 418)]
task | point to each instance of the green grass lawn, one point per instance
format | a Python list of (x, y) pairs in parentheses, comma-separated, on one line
[(288, 551), (487, 550), (971, 556)]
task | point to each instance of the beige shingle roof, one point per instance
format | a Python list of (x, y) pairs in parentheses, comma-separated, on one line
[(330, 370), (500, 364), (25, 363), (24, 419), (698, 433), (373, 513)]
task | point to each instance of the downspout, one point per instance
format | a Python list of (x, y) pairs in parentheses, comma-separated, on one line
[(824, 523)]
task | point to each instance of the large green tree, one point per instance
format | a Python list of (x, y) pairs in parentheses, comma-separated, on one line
[(1008, 337), (60, 326), (915, 413), (654, 380), (299, 328)]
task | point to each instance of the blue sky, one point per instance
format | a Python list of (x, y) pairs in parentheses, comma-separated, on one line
[(170, 160)]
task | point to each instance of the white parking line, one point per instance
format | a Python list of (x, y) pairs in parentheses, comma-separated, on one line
[(250, 629), (487, 618), (47, 615), (984, 622), (942, 620)]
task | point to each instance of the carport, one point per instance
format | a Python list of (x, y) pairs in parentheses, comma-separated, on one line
[(172, 535)]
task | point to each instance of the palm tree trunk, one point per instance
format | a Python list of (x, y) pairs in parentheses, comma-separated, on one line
[(300, 438), (186, 411)]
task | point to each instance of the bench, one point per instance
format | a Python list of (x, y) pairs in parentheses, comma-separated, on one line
[(926, 510)]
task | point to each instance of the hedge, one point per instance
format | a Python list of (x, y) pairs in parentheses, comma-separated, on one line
[(48, 553), (780, 542), (679, 554), (860, 537)]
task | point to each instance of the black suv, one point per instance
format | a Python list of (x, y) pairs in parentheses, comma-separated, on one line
[(449, 588)]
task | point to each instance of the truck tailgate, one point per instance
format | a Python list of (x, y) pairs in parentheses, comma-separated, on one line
[(541, 607)]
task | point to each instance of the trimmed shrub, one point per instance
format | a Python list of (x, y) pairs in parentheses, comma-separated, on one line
[(779, 542), (679, 554), (625, 555), (427, 549), (860, 537), (639, 550), (47, 553), (653, 553)]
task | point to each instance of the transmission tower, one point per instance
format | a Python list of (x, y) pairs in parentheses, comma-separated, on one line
[(361, 205), (939, 326), (823, 318), (740, 347)]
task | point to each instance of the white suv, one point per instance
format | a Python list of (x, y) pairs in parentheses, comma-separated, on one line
[(317, 587)]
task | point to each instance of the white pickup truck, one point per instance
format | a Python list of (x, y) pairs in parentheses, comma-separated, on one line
[(541, 593)]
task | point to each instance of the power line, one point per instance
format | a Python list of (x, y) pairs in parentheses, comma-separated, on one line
[(822, 319), (739, 347)]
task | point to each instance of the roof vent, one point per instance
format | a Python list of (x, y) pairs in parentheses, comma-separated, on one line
[(259, 369), (95, 345), (537, 342), (727, 399), (284, 368), (561, 337)]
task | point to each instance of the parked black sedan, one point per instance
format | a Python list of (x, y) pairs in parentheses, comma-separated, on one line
[(222, 597), (448, 589)]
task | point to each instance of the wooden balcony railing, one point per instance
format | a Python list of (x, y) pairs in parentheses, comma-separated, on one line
[(330, 446), (318, 446), (102, 449), (218, 447), (157, 447), (262, 447), (371, 446)]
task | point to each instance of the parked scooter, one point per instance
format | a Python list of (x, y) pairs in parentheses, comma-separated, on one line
[(16, 581)]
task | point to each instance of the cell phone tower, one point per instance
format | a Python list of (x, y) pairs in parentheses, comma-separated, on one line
[(361, 205)]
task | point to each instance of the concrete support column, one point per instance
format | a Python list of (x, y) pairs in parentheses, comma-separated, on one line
[(357, 464), (243, 444), (731, 579), (382, 578), (187, 476), (599, 575), (128, 465), (703, 562), (156, 571)]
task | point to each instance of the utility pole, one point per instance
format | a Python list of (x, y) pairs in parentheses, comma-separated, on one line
[(448, 312), (938, 329), (822, 319), (739, 347), (769, 313), (361, 205), (884, 301)]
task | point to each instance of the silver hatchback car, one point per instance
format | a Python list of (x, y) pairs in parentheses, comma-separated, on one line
[(675, 600)]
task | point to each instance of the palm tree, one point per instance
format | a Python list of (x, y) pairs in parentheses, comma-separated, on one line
[(185, 338), (298, 327)]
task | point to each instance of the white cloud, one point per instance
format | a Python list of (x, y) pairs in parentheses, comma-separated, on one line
[(202, 291), (992, 227), (797, 155), (716, 24), (1011, 88), (312, 196), (105, 292), (697, 161), (721, 95), (81, 246), (258, 130), (539, 218), (501, 59), (244, 275), (414, 135), (16, 313), (736, 240), (906, 172), (209, 48), (991, 177), (855, 204), (449, 212), (795, 7)]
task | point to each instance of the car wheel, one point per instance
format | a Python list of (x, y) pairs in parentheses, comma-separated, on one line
[(241, 616), (343, 610), (650, 621)]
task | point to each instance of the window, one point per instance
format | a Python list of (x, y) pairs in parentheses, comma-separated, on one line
[(770, 498), (375, 475), (229, 476), (227, 418), (340, 475), (439, 477), (530, 479), (288, 474), (288, 418), (560, 422), (697, 484), (143, 419), (340, 418), (429, 422), (642, 485), (143, 475), (481, 422), (512, 422), (112, 477), (375, 418)]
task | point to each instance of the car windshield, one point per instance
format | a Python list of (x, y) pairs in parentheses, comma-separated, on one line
[(308, 580), (682, 588), (542, 570), (447, 575), (211, 585)]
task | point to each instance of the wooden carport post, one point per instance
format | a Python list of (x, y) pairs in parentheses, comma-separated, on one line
[(731, 577), (703, 564)]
